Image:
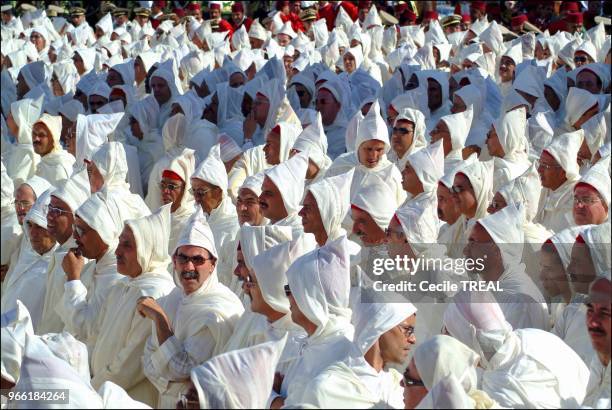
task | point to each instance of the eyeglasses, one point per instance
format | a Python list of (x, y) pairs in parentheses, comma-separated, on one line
[(548, 166), (170, 187), (402, 130), (197, 260), (587, 201), (199, 192), (53, 211), (287, 290), (23, 204), (408, 331), (580, 59)]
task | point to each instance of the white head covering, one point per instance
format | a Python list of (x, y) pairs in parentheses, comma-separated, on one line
[(106, 24), (596, 131), (103, 217), (506, 229), (373, 198), (564, 149), (372, 320), (459, 127), (92, 132), (253, 183), (288, 30), (16, 324), (270, 267), (258, 31), (100, 88), (25, 112), (373, 127), (428, 163), (515, 52), (289, 177), (333, 200), (314, 142), (110, 159), (228, 147), (256, 239), (530, 80), (443, 356), (239, 379), (357, 53), (597, 239), (578, 101), (71, 109), (54, 125), (39, 185), (564, 242), (66, 347), (589, 48), (480, 175), (212, 170), (524, 190), (510, 129), (598, 177), (418, 119), (152, 234), (320, 283), (34, 74), (197, 233), (419, 222), (74, 191)]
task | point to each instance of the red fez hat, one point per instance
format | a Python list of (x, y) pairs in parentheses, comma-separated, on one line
[(457, 9), (518, 20), (281, 4), (493, 9), (575, 18), (193, 7), (169, 174), (399, 8), (570, 7), (408, 15), (180, 12), (214, 6), (160, 3), (364, 4), (585, 185), (430, 14), (466, 18), (580, 239), (237, 7), (479, 5)]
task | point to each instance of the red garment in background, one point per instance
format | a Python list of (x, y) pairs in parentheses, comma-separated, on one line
[(329, 13), (224, 25), (296, 23), (555, 26), (246, 23)]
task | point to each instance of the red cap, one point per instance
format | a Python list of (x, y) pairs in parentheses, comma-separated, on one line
[(408, 15), (214, 6), (168, 174), (479, 5), (160, 3), (575, 18), (117, 91), (457, 9), (281, 4), (364, 4), (430, 14), (587, 186), (493, 9), (399, 8), (237, 7), (466, 18), (518, 20), (194, 7), (179, 12), (570, 7)]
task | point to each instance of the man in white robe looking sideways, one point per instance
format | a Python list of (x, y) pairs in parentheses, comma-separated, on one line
[(193, 322), (142, 258)]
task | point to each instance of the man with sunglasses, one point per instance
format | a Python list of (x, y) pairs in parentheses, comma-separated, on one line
[(193, 322), (65, 200)]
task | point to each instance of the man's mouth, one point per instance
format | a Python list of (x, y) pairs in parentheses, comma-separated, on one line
[(189, 275), (593, 331)]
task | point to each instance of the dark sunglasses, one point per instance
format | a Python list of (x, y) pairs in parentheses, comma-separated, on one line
[(580, 59), (401, 130), (197, 260)]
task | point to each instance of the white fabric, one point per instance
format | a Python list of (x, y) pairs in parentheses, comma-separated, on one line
[(332, 195), (428, 163), (372, 198), (577, 102), (91, 132), (16, 325), (598, 177), (313, 141), (289, 177), (212, 170)]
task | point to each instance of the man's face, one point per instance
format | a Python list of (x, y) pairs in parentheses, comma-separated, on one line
[(38, 41), (215, 14), (256, 43), (6, 17), (207, 195), (349, 63), (247, 208), (466, 197), (551, 173), (441, 132), (493, 144), (402, 137), (303, 94), (121, 20), (371, 152), (327, 105), (481, 247), (587, 80), (78, 63), (40, 239), (297, 316), (541, 52), (581, 58), (283, 40), (552, 273), (194, 266), (395, 344), (252, 289), (95, 102), (160, 89), (142, 20), (410, 180), (113, 78), (77, 20), (506, 69), (127, 255), (448, 206), (581, 270), (59, 220), (236, 80), (589, 207), (551, 98), (88, 241), (497, 204), (366, 228), (261, 106), (237, 17), (311, 216), (172, 191), (42, 140), (397, 244), (434, 94), (24, 199), (241, 271), (598, 317), (272, 148), (271, 201), (96, 180)]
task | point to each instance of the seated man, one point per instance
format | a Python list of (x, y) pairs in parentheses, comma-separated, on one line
[(592, 195), (55, 163), (193, 322)]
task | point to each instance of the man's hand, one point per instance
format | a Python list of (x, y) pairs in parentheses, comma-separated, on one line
[(73, 264), (249, 125), (149, 308)]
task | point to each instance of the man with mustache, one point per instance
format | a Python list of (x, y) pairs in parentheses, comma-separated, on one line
[(55, 162), (598, 325), (193, 322)]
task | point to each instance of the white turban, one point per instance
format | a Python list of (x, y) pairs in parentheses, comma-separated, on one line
[(333, 201), (103, 217), (597, 239), (71, 109), (54, 125), (506, 229), (16, 324), (39, 185), (515, 52), (459, 127), (564, 149), (92, 132), (212, 170), (419, 222), (373, 127), (152, 234), (598, 177), (197, 233), (111, 161), (256, 239), (510, 129), (313, 141), (228, 147), (373, 197), (480, 175), (524, 190), (289, 177), (253, 183), (74, 191), (578, 102), (34, 74), (428, 163)]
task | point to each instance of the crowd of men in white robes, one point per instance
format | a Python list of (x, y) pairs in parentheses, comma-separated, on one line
[(192, 215)]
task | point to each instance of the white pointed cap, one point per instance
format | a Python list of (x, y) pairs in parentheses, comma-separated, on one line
[(459, 126), (373, 127), (152, 234), (564, 149), (373, 197), (289, 177), (428, 163), (212, 169), (75, 190)]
